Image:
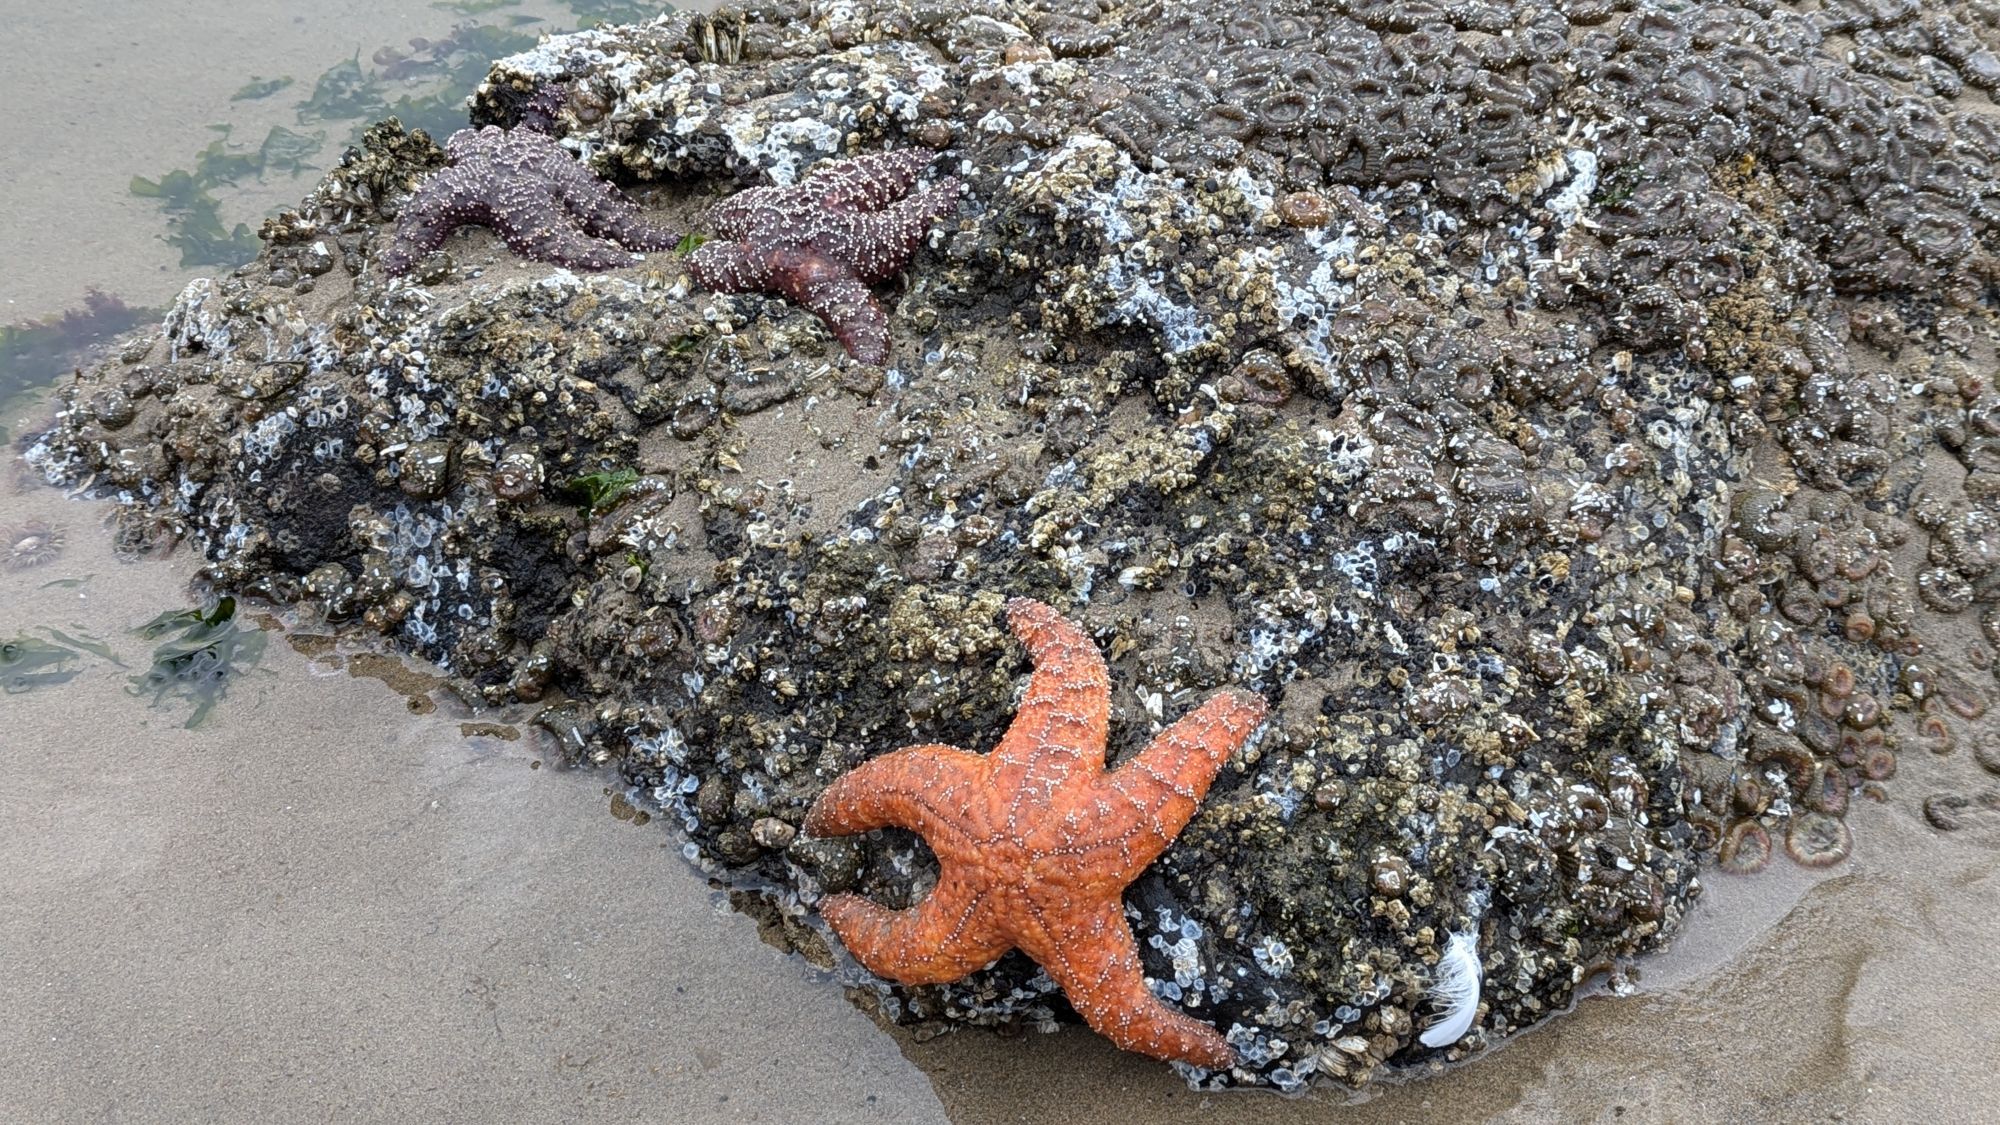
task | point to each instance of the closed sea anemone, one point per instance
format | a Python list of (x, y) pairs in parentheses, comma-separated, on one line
[(1815, 839), (32, 544), (1878, 763), (1987, 754), (1746, 848)]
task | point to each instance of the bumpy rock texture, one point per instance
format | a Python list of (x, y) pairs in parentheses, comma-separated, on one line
[(1575, 418)]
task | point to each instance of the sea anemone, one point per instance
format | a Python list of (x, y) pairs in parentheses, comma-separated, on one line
[(1454, 991), (1935, 734), (1746, 848), (1826, 789), (1815, 839), (32, 544), (1946, 811), (1988, 754), (1878, 764)]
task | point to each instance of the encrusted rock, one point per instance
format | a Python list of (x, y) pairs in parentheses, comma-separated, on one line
[(1532, 402)]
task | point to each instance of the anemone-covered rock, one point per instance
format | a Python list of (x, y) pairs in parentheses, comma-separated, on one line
[(1574, 418)]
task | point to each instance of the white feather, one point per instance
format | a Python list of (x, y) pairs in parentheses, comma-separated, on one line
[(1454, 991)]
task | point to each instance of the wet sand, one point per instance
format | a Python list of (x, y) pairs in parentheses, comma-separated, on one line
[(323, 906), (319, 906)]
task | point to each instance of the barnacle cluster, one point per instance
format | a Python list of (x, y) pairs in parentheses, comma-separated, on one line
[(1574, 418)]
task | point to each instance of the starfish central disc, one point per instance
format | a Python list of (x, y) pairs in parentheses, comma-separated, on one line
[(823, 241), (1037, 841)]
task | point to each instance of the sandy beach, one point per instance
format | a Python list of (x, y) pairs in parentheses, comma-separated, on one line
[(345, 898)]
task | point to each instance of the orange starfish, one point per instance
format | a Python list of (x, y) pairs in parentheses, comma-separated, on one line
[(1037, 842)]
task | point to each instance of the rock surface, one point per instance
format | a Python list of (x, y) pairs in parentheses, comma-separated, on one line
[(1574, 418)]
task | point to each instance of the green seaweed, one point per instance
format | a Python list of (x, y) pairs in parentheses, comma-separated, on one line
[(85, 643), (200, 654), (448, 70), (289, 152), (596, 13), (35, 353), (345, 91), (600, 490), (689, 243), (258, 88), (194, 219), (474, 7), (27, 663), (216, 164)]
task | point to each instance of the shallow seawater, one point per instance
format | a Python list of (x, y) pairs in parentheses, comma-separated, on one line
[(260, 878)]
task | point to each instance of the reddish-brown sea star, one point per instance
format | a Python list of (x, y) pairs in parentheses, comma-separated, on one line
[(1037, 841), (824, 240), (540, 200)]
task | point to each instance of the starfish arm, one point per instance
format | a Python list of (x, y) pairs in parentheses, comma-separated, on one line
[(908, 788), (737, 216), (1158, 790), (1065, 713), (427, 219), (606, 212), (728, 267), (466, 142), (871, 182), (880, 244), (563, 246), (940, 939), (632, 231), (830, 289), (1093, 957)]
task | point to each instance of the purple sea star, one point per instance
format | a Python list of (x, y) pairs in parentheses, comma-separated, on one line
[(824, 240), (540, 200)]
